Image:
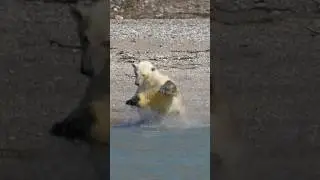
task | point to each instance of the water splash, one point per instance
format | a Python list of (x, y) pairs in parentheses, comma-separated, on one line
[(152, 121)]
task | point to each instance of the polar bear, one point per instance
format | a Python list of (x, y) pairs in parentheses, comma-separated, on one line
[(155, 92)]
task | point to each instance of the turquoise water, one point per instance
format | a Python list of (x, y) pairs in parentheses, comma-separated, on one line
[(151, 154)]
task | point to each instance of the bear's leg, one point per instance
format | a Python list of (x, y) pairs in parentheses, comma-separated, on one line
[(169, 88)]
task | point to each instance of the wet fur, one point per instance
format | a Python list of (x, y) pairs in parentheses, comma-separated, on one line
[(155, 91), (156, 99)]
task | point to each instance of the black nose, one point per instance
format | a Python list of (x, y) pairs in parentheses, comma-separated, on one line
[(136, 83)]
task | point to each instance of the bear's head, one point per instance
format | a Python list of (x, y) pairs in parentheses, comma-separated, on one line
[(143, 70)]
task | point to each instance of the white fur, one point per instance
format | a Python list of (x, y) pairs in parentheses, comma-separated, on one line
[(146, 78), (149, 77)]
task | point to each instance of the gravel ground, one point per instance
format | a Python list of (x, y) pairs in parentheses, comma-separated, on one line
[(160, 9), (42, 84), (180, 48)]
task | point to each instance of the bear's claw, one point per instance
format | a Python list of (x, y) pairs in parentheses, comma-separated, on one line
[(133, 101)]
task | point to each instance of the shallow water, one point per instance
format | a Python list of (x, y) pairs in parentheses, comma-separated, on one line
[(151, 154)]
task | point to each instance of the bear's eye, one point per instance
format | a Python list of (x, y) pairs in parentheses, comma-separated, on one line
[(153, 69)]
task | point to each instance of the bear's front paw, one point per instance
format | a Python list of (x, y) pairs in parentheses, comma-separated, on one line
[(130, 102), (169, 88), (133, 101)]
